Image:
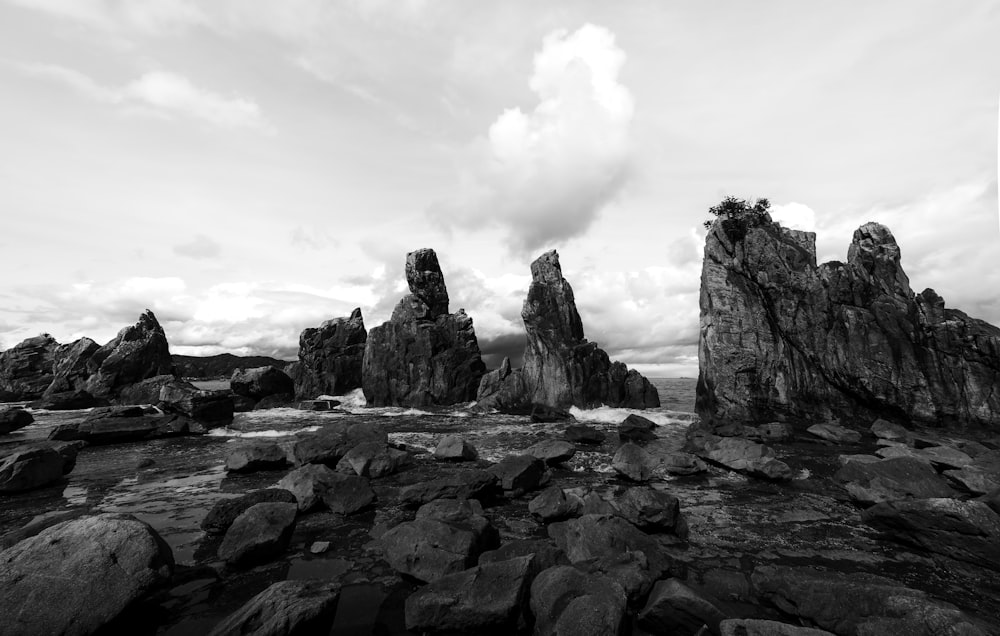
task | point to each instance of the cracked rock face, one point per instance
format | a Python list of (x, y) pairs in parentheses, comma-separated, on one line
[(782, 338), (330, 357)]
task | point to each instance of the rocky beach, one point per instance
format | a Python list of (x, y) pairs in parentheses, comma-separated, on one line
[(811, 480)]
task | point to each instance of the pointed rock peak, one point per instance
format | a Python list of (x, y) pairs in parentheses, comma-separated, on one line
[(874, 249), (356, 314), (546, 268), (147, 320), (426, 282)]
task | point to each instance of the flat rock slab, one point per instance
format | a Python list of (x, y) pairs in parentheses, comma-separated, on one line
[(551, 451), (224, 512), (263, 531), (890, 479), (246, 457), (76, 576), (285, 608), (835, 433), (465, 484), (488, 597)]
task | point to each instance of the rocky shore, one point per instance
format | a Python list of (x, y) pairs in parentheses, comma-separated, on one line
[(560, 498)]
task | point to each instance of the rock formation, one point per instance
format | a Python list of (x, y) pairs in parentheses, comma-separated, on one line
[(138, 352), (784, 339), (26, 368), (330, 357), (423, 355), (561, 368)]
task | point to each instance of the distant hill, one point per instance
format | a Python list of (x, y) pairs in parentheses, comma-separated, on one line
[(220, 366)]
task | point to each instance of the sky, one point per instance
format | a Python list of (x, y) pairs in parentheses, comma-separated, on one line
[(247, 168)]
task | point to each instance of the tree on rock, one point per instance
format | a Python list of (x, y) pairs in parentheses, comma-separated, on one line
[(739, 215)]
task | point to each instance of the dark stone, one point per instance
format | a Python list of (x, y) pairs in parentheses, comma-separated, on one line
[(636, 428), (782, 338), (33, 466), (286, 608), (428, 549), (632, 462), (568, 602), (747, 457), (834, 433), (211, 408), (276, 401), (561, 368), (858, 603), (109, 427), (543, 414), (582, 434), (250, 456), (261, 382), (12, 419), (77, 576), (373, 459), (423, 355), (651, 510), (329, 444), (315, 483), (598, 536), (758, 627), (554, 505), (674, 608), (70, 368), (330, 357), (518, 473), (467, 484), (683, 464), (26, 368), (488, 597), (552, 451), (964, 530), (889, 479), (544, 552), (225, 511), (260, 533), (455, 448)]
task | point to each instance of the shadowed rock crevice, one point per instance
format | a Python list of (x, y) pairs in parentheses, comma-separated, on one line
[(783, 338)]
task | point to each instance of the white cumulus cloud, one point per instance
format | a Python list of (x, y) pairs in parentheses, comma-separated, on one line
[(795, 216), (544, 175)]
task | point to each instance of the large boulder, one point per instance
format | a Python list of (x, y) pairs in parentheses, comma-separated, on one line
[(964, 530), (423, 355), (330, 357), (519, 473), (67, 401), (247, 456), (373, 459), (863, 604), (595, 536), (35, 465), (286, 608), (465, 484), (783, 338), (561, 368), (569, 602), (260, 382), (674, 608), (486, 598), (261, 532), (117, 425), (75, 577), (26, 368), (890, 479), (225, 511), (756, 460), (211, 408), (633, 463), (11, 419), (314, 484), (138, 352), (329, 444)]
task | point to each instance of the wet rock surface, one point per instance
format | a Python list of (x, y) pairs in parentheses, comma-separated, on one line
[(330, 357)]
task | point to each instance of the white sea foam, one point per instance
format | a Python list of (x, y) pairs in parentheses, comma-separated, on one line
[(609, 415), (228, 432)]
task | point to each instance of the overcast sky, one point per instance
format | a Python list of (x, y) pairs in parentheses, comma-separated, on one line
[(247, 169)]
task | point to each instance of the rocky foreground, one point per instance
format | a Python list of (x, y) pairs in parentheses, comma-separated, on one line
[(444, 523)]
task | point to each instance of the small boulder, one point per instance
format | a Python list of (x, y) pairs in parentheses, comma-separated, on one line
[(261, 382), (883, 429), (593, 536), (466, 484), (308, 484), (455, 448), (674, 608), (542, 414), (583, 434), (552, 451), (746, 457), (250, 456), (974, 479), (211, 408), (260, 533), (12, 419), (891, 479), (428, 549), (33, 466), (225, 511), (636, 428), (518, 473), (373, 459), (488, 597), (632, 462), (834, 433), (683, 464), (285, 608), (554, 505), (946, 457), (651, 510)]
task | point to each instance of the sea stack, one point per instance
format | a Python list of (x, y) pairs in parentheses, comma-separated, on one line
[(330, 357), (784, 339), (423, 355), (561, 368)]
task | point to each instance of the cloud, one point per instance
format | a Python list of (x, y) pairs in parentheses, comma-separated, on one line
[(795, 216), (149, 16), (545, 175), (199, 247), (162, 93)]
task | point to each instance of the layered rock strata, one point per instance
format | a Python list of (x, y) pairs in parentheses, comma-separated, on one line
[(561, 368), (330, 357), (784, 339), (423, 355)]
